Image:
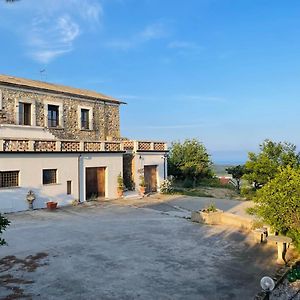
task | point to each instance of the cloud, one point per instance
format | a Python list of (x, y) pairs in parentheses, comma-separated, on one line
[(49, 38), (183, 45), (201, 98), (151, 32), (51, 28)]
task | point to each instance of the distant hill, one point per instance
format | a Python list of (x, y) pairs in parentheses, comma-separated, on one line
[(220, 169)]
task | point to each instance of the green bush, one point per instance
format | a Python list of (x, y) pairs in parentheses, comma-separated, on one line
[(167, 187), (278, 203), (4, 223), (187, 183)]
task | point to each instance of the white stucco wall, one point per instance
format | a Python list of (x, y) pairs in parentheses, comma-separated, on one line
[(31, 165), (150, 159), (113, 162)]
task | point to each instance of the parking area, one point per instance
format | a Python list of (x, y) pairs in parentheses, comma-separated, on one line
[(110, 251)]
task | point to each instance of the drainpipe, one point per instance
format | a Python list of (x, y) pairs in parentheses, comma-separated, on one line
[(79, 177)]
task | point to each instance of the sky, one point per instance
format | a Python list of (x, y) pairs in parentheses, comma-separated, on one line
[(225, 72)]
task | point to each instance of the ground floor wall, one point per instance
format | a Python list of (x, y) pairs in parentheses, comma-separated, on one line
[(70, 183), (144, 159)]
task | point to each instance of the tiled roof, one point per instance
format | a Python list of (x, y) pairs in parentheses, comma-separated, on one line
[(54, 88)]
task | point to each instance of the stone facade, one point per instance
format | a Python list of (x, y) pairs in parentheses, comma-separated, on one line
[(105, 115)]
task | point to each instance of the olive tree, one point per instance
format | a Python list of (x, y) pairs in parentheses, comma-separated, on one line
[(278, 202), (237, 173), (189, 160), (264, 166)]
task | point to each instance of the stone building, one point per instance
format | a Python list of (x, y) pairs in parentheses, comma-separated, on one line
[(64, 143)]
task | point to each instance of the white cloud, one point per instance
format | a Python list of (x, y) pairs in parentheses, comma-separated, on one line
[(50, 38), (50, 27), (150, 32)]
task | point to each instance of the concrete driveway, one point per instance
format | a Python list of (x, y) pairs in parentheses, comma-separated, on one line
[(114, 252)]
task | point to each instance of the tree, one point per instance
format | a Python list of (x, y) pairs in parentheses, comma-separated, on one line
[(264, 166), (237, 172), (189, 160), (4, 223), (278, 202)]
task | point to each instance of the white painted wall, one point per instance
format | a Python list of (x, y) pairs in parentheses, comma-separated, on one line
[(149, 159), (113, 162), (31, 165), (27, 132)]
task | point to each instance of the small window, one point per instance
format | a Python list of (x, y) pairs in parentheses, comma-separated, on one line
[(24, 113), (9, 179), (85, 119), (49, 176), (53, 115), (69, 187)]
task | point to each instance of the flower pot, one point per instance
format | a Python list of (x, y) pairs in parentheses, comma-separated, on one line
[(120, 192), (51, 205), (142, 190)]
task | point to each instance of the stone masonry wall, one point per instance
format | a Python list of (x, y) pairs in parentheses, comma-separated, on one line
[(106, 119)]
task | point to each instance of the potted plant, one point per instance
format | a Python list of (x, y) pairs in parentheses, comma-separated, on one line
[(142, 185), (51, 205), (120, 188), (209, 215), (30, 197)]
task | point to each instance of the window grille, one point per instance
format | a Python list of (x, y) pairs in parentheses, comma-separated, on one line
[(9, 178), (49, 176)]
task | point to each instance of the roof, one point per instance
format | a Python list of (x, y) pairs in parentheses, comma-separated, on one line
[(55, 88)]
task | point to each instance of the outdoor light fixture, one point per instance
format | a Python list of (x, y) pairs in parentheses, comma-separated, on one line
[(268, 285)]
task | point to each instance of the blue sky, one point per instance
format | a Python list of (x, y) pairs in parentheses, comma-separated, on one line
[(223, 71)]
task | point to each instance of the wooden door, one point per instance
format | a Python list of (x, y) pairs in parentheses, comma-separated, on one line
[(150, 175), (95, 182), (101, 182)]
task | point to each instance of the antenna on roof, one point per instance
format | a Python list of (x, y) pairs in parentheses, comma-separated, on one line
[(43, 74)]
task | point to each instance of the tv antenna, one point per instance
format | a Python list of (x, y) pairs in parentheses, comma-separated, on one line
[(43, 74)]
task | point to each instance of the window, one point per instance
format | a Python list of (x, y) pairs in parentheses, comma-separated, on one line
[(24, 113), (9, 179), (49, 176), (69, 187), (85, 118), (53, 115)]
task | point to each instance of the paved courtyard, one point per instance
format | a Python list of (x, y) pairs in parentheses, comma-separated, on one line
[(120, 252)]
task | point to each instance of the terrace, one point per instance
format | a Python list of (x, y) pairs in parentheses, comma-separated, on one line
[(39, 145)]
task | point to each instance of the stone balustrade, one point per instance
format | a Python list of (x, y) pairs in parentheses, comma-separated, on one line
[(28, 145)]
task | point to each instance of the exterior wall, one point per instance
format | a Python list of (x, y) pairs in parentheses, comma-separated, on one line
[(113, 162), (149, 159), (106, 119), (31, 165)]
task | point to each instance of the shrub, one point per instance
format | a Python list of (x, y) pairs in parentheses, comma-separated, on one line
[(167, 187), (278, 203), (188, 183), (4, 223)]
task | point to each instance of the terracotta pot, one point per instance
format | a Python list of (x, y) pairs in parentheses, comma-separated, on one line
[(142, 190), (120, 192), (51, 205)]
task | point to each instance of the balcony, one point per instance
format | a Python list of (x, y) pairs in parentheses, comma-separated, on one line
[(37, 145)]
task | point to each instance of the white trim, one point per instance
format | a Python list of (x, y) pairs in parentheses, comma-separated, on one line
[(91, 116), (32, 111), (60, 113)]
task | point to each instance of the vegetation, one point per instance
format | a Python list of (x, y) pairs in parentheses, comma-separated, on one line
[(211, 208), (237, 173), (278, 203), (4, 223), (120, 182), (264, 166), (189, 161), (167, 186), (142, 181)]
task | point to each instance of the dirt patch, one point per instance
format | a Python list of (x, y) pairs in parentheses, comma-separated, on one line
[(12, 271)]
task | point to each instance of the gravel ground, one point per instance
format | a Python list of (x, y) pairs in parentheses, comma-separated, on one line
[(287, 291)]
